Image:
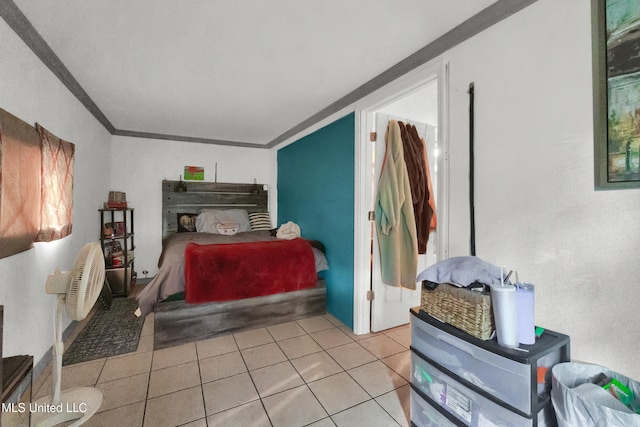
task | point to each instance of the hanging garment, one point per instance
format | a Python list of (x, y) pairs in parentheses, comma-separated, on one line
[(395, 222), (414, 158), (432, 199)]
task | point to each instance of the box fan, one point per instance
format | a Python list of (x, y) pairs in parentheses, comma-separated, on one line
[(77, 292)]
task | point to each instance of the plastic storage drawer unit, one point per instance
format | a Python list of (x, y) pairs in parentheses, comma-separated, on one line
[(469, 406), (424, 414), (509, 375)]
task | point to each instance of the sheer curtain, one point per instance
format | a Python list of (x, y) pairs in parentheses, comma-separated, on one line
[(20, 175), (56, 196)]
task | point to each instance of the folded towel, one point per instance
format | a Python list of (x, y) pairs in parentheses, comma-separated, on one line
[(288, 231)]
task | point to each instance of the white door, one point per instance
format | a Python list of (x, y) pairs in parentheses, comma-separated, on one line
[(390, 305)]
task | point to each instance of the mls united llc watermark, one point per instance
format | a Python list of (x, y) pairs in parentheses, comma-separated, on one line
[(22, 407)]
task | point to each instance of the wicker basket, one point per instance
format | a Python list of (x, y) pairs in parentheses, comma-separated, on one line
[(465, 309)]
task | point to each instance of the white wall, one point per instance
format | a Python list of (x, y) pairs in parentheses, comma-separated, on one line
[(138, 167), (536, 208), (31, 92)]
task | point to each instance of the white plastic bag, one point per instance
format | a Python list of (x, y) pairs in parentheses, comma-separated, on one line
[(578, 403)]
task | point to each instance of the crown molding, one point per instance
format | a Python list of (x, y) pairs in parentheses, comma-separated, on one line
[(491, 15), (151, 135)]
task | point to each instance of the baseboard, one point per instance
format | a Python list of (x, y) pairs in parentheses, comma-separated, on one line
[(143, 281)]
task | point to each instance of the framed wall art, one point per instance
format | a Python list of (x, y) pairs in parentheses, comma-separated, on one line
[(194, 173), (616, 88)]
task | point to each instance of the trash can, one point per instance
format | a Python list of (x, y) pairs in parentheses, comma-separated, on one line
[(580, 402)]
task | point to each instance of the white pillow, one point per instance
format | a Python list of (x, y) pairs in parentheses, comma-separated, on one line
[(260, 221), (208, 219)]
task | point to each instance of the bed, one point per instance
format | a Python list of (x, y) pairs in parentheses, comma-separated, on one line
[(210, 283)]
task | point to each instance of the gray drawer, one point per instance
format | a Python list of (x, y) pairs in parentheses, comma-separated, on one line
[(466, 405), (425, 415)]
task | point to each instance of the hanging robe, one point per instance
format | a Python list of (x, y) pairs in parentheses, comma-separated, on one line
[(395, 221), (414, 159), (432, 200), (423, 211)]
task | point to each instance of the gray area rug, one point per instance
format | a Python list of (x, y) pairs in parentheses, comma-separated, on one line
[(109, 332)]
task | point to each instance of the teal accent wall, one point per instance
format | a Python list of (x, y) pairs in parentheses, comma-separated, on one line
[(315, 190)]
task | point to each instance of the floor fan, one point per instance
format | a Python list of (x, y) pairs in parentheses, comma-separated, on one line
[(77, 292)]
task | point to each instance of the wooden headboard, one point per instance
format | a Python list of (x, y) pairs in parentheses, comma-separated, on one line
[(208, 195)]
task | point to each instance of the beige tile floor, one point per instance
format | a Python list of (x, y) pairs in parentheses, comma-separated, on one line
[(312, 372)]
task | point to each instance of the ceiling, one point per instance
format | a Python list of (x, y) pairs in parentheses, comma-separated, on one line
[(240, 72)]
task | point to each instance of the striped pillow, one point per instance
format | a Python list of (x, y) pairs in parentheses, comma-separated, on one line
[(260, 221)]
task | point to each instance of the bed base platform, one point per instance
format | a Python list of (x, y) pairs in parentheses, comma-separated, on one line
[(177, 322)]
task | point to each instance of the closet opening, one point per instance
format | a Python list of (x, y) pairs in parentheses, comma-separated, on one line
[(422, 106)]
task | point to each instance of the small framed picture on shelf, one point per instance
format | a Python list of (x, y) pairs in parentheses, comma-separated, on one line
[(108, 229), (119, 229)]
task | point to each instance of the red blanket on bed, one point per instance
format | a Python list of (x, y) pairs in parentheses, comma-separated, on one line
[(224, 272)]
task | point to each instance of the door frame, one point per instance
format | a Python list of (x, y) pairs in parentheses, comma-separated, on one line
[(362, 194)]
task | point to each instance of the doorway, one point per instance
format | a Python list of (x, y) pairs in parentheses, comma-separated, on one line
[(422, 105)]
